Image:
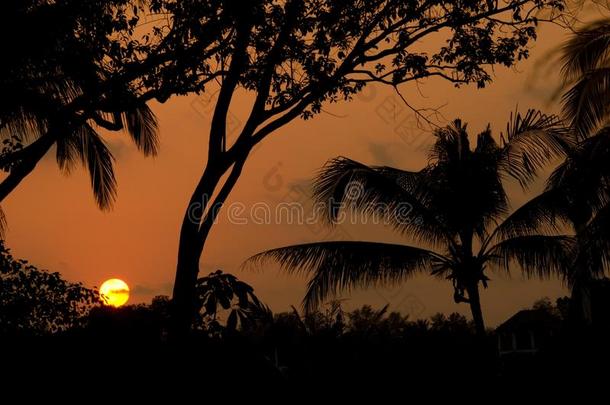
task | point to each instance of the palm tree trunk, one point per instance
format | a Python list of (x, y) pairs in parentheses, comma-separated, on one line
[(581, 296), (580, 304), (475, 308), (29, 158)]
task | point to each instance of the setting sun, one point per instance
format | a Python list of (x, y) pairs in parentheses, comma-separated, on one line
[(114, 292)]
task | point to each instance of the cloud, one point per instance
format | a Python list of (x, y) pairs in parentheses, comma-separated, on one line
[(147, 290), (119, 291), (117, 145), (381, 153)]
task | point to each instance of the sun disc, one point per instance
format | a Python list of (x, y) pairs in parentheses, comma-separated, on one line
[(114, 292)]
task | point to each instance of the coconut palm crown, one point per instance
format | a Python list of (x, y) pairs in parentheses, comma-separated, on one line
[(586, 74), (458, 218)]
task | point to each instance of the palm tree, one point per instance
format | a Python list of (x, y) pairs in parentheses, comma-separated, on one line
[(577, 191), (586, 73), (456, 204), (55, 92)]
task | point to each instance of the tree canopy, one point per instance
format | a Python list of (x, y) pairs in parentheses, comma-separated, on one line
[(62, 87)]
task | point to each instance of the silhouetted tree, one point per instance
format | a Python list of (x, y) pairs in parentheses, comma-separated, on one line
[(586, 70), (35, 302), (453, 325), (295, 55), (366, 320), (576, 200), (546, 305), (454, 205), (577, 191), (78, 72), (328, 321), (563, 307)]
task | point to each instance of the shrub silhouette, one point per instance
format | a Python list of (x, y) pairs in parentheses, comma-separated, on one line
[(36, 302)]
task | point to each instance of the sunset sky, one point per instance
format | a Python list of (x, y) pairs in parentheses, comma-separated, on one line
[(55, 224)]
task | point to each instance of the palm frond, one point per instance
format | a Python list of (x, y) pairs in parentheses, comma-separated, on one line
[(25, 124), (398, 195), (588, 49), (544, 214), (599, 227), (376, 185), (468, 188), (452, 144), (594, 244), (586, 102), (100, 164), (538, 256), (86, 145), (68, 148), (336, 266), (583, 177), (30, 105), (489, 195), (532, 141), (463, 186), (141, 125), (99, 160)]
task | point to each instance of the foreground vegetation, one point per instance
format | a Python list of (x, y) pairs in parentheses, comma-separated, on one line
[(238, 339)]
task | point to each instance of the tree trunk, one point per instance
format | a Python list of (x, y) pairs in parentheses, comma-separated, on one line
[(189, 251), (580, 304), (475, 308), (580, 300), (30, 157), (198, 221), (196, 226)]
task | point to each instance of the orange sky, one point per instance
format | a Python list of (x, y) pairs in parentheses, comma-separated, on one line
[(54, 223)]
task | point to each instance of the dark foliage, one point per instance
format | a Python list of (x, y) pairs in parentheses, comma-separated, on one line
[(69, 72), (35, 302), (586, 72), (220, 294), (456, 213)]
